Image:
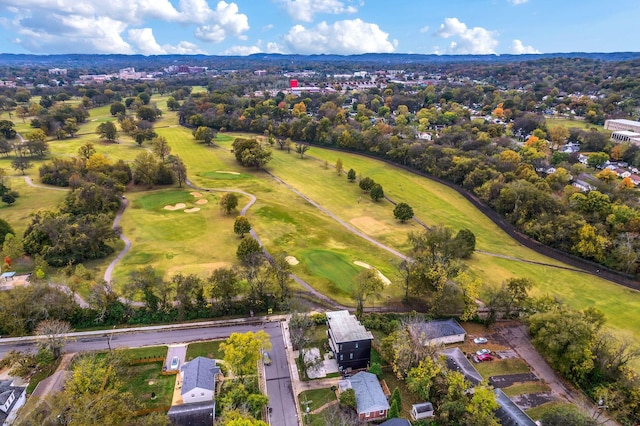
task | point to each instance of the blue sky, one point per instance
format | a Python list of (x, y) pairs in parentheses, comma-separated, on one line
[(242, 27)]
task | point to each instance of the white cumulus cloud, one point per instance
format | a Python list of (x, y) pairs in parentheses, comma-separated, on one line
[(476, 40), (145, 42), (516, 2), (225, 21), (270, 47), (304, 10), (72, 34), (342, 37), (517, 48), (88, 26)]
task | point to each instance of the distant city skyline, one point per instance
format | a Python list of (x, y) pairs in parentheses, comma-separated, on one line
[(242, 27)]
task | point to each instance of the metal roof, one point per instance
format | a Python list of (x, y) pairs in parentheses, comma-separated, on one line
[(345, 327), (199, 373)]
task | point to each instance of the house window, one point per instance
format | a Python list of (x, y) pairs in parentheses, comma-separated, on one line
[(357, 345), (339, 348), (351, 355), (201, 393), (341, 357), (382, 412), (193, 395), (367, 414)]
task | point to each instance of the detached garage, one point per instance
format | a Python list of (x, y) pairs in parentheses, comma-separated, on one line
[(439, 332)]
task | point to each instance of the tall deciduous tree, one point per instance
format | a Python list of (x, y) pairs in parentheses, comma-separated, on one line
[(351, 175), (178, 168), (403, 212), (228, 202), (366, 184), (108, 131), (161, 147), (339, 166), (366, 284), (377, 193), (301, 148), (224, 286), (243, 350), (241, 226), (204, 134), (55, 335)]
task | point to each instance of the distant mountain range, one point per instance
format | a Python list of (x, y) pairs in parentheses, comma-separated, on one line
[(263, 59)]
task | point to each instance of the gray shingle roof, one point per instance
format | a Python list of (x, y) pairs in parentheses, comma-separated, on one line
[(199, 373), (439, 328), (369, 394), (456, 361), (346, 327), (509, 413)]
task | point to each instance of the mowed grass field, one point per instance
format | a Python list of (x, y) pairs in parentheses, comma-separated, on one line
[(282, 220), (175, 241), (437, 204)]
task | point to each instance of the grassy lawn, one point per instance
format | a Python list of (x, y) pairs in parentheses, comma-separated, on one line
[(408, 399), (524, 388), (501, 367), (146, 352), (316, 398), (175, 241), (206, 349), (537, 412), (143, 379), (580, 124), (30, 200)]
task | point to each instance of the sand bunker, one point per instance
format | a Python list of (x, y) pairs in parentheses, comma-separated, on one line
[(178, 206), (291, 260), (227, 173), (192, 210), (384, 279), (202, 201), (196, 194)]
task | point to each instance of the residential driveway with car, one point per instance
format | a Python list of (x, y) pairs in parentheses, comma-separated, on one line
[(175, 351)]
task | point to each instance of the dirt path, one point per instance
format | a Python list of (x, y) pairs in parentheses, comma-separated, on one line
[(518, 338)]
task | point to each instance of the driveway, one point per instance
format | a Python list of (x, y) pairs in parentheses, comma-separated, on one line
[(180, 351), (518, 338)]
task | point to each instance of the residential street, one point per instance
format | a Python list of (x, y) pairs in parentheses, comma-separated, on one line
[(279, 388)]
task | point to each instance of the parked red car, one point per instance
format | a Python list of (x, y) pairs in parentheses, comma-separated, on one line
[(485, 357)]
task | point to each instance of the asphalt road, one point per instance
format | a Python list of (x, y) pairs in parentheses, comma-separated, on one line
[(279, 387)]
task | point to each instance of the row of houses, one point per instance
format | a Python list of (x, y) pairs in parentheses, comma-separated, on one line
[(350, 343)]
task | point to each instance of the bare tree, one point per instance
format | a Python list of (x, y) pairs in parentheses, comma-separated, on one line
[(55, 335)]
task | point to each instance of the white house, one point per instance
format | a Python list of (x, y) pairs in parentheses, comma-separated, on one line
[(199, 380)]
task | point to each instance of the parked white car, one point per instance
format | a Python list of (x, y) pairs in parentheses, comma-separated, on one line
[(175, 362), (483, 352), (479, 340)]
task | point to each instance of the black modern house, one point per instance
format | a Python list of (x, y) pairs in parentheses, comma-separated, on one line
[(349, 341)]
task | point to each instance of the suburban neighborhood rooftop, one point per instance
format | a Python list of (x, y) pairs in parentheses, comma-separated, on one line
[(346, 328)]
